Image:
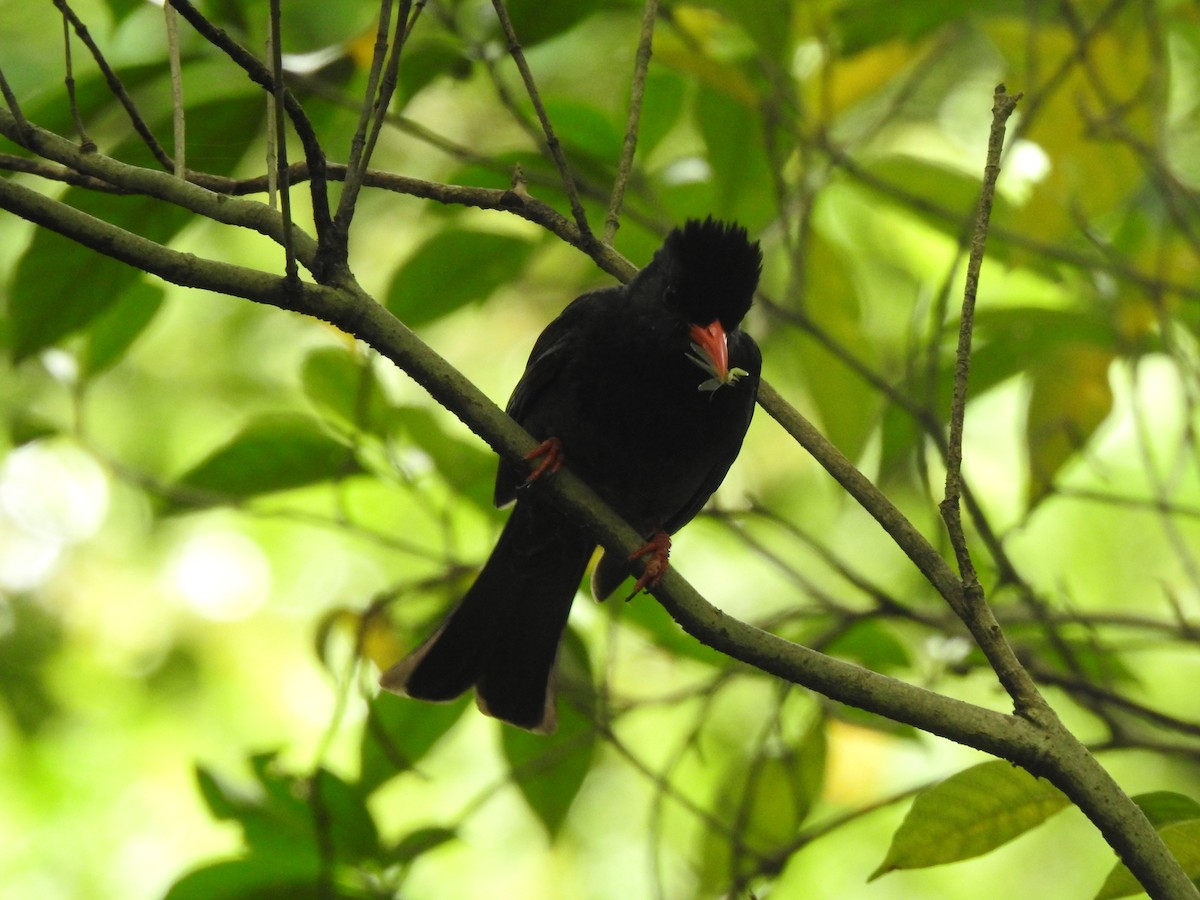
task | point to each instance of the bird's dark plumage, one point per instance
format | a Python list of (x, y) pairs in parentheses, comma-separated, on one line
[(634, 384)]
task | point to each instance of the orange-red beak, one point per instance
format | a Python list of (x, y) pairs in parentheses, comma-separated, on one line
[(711, 339)]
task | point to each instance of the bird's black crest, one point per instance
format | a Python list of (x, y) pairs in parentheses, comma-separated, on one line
[(712, 270)]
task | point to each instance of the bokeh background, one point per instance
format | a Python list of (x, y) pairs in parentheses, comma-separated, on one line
[(219, 520)]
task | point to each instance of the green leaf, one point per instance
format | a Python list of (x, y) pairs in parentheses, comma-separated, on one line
[(345, 391), (121, 9), (272, 453), (399, 733), (60, 287), (1164, 808), (341, 808), (848, 406), (550, 770), (307, 25), (469, 470), (740, 174), (1070, 399), (1181, 838), (656, 624), (1083, 656), (453, 268), (865, 23), (275, 823), (223, 800), (662, 105), (970, 814), (940, 186), (768, 22), (1020, 333), (291, 808), (585, 130), (871, 644), (770, 796), (114, 331), (30, 639), (421, 65), (419, 842), (332, 379), (278, 876), (535, 21)]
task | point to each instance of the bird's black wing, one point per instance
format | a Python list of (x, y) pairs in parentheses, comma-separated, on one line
[(551, 351)]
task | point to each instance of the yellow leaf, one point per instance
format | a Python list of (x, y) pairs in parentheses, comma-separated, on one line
[(862, 75), (361, 49), (1071, 397), (373, 636), (709, 52)]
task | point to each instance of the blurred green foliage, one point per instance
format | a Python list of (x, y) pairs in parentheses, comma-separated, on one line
[(193, 487)]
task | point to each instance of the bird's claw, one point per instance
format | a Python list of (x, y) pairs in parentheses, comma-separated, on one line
[(549, 454), (658, 549)]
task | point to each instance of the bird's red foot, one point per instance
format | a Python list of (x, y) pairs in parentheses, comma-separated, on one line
[(549, 454), (658, 549)]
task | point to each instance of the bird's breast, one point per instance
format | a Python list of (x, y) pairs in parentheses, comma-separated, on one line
[(646, 438)]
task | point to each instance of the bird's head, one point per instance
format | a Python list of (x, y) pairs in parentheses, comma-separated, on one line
[(706, 273)]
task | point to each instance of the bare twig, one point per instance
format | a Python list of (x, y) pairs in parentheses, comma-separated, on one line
[(152, 183), (177, 114), (261, 75), (951, 512), (14, 107), (272, 132), (405, 20), (116, 86), (356, 165), (552, 142), (84, 141), (278, 126)]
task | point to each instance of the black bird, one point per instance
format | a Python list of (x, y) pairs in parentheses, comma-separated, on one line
[(646, 392)]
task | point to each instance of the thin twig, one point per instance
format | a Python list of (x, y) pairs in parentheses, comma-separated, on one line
[(405, 20), (356, 165), (469, 156), (552, 142), (279, 126), (117, 87), (177, 114), (974, 610), (261, 75), (1002, 108), (612, 219), (10, 98), (85, 142), (272, 131), (152, 183), (385, 67)]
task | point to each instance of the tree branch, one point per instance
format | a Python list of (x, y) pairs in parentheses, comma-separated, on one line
[(261, 75), (1042, 747), (135, 179), (347, 307)]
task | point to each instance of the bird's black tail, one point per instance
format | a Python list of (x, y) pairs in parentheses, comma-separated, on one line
[(503, 636)]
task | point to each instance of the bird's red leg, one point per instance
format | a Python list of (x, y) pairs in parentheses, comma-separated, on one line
[(658, 548), (549, 454)]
